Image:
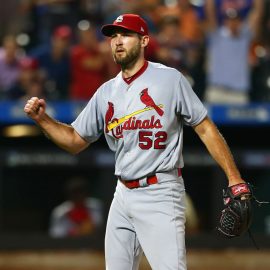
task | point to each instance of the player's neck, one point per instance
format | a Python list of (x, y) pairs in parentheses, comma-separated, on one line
[(131, 69), (130, 79)]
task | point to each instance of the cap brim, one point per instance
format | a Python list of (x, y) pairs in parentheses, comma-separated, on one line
[(109, 29)]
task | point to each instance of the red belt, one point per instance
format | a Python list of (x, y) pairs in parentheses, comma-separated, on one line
[(150, 180)]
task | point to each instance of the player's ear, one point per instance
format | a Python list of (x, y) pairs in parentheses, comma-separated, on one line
[(145, 41)]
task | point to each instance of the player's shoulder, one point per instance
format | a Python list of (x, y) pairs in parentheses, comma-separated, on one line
[(107, 87), (159, 67), (103, 89), (113, 80)]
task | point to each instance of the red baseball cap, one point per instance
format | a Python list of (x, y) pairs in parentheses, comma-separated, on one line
[(131, 22)]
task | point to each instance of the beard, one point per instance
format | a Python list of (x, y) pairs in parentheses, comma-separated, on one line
[(129, 58)]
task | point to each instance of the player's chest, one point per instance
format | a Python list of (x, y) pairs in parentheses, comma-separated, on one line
[(135, 108)]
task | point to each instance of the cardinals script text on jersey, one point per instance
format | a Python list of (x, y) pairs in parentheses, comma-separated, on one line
[(130, 122)]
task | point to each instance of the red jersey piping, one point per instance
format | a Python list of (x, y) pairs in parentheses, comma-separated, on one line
[(137, 74)]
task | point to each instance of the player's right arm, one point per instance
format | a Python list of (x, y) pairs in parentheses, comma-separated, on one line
[(61, 134)]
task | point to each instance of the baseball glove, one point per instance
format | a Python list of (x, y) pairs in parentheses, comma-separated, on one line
[(236, 217)]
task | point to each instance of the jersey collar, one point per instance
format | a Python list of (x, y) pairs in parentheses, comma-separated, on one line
[(130, 79)]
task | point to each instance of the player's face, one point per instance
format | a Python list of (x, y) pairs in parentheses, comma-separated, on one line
[(126, 47)]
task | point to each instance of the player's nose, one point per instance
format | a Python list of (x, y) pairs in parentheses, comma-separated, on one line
[(118, 39)]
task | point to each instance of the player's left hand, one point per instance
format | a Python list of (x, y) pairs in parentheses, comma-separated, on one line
[(236, 217)]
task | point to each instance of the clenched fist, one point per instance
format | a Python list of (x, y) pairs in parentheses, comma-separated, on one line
[(35, 108)]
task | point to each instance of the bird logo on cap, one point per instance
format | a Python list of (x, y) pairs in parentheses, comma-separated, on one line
[(119, 19)]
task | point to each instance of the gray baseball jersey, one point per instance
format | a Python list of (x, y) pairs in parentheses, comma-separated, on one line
[(142, 119)]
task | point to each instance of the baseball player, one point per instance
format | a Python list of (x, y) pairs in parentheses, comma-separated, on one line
[(141, 112)]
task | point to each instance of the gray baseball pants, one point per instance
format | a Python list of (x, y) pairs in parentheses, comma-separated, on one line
[(147, 219)]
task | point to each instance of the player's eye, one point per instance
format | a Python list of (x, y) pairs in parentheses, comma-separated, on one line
[(127, 34)]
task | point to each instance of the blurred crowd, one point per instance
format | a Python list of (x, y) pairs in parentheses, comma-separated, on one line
[(80, 214), (54, 48)]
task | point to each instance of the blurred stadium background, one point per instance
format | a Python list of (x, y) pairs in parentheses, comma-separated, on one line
[(34, 172)]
